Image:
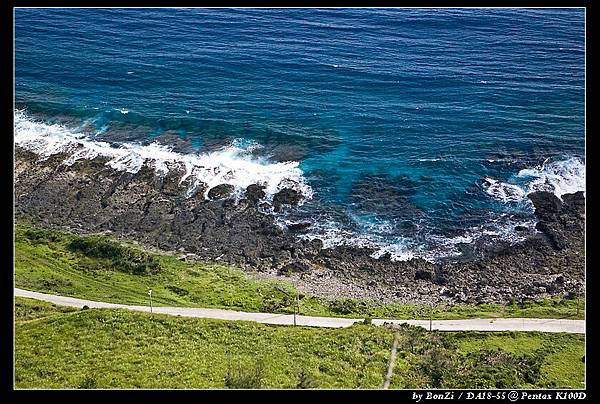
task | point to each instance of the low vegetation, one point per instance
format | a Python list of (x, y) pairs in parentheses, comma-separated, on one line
[(28, 309), (98, 267), (102, 348)]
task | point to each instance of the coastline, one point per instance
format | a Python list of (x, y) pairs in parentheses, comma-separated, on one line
[(155, 210)]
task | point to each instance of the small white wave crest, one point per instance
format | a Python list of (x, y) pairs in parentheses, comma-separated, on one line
[(503, 191), (333, 236)]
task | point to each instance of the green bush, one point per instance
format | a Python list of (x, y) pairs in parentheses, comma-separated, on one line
[(306, 381), (105, 254), (244, 378), (349, 306), (277, 299), (438, 365), (42, 236), (177, 290), (485, 369), (88, 382)]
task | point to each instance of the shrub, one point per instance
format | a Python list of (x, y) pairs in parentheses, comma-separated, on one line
[(437, 364), (97, 247), (306, 381), (348, 306), (276, 301), (244, 378), (42, 236), (101, 253), (88, 382), (497, 370), (177, 290)]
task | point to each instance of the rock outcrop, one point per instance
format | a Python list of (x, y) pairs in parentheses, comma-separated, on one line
[(157, 211)]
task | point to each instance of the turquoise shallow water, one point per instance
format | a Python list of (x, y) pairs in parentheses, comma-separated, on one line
[(415, 129)]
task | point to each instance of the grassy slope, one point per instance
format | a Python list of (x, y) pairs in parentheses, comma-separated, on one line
[(563, 365), (30, 309), (43, 262), (122, 349)]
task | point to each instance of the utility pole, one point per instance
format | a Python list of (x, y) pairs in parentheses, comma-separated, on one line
[(296, 307), (430, 316), (150, 294), (430, 308)]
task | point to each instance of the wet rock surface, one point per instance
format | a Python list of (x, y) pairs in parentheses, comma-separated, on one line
[(286, 196), (91, 197), (221, 191)]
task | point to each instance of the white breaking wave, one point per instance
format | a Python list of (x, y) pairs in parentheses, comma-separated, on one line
[(503, 191), (559, 177), (332, 236), (232, 165)]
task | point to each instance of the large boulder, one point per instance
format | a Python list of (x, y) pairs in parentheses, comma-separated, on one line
[(560, 221), (546, 204)]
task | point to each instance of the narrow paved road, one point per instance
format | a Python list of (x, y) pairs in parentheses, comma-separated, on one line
[(475, 324)]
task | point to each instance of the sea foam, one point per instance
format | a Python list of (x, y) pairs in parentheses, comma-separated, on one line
[(232, 165), (503, 191), (560, 177)]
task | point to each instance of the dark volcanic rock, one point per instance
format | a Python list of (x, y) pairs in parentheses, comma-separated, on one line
[(546, 204), (254, 193), (559, 221), (89, 196), (286, 196), (389, 197), (423, 275), (574, 204), (295, 267), (221, 191), (178, 144), (299, 226)]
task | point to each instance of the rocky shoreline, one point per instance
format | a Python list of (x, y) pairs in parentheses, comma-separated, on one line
[(155, 210)]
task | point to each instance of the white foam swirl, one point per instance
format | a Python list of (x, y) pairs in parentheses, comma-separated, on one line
[(232, 165), (503, 191), (559, 177)]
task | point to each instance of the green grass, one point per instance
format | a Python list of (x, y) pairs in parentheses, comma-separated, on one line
[(30, 309), (105, 269), (102, 348), (563, 365)]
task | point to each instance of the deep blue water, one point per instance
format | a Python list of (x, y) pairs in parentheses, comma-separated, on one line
[(397, 116)]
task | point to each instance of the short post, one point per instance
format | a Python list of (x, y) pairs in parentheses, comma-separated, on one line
[(150, 294), (295, 309), (431, 317)]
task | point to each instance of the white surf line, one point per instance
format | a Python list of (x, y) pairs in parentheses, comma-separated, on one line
[(474, 324)]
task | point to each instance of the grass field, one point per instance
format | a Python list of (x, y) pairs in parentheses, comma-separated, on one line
[(101, 348), (105, 269)]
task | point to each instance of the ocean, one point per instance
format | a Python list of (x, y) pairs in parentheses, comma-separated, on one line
[(413, 131)]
